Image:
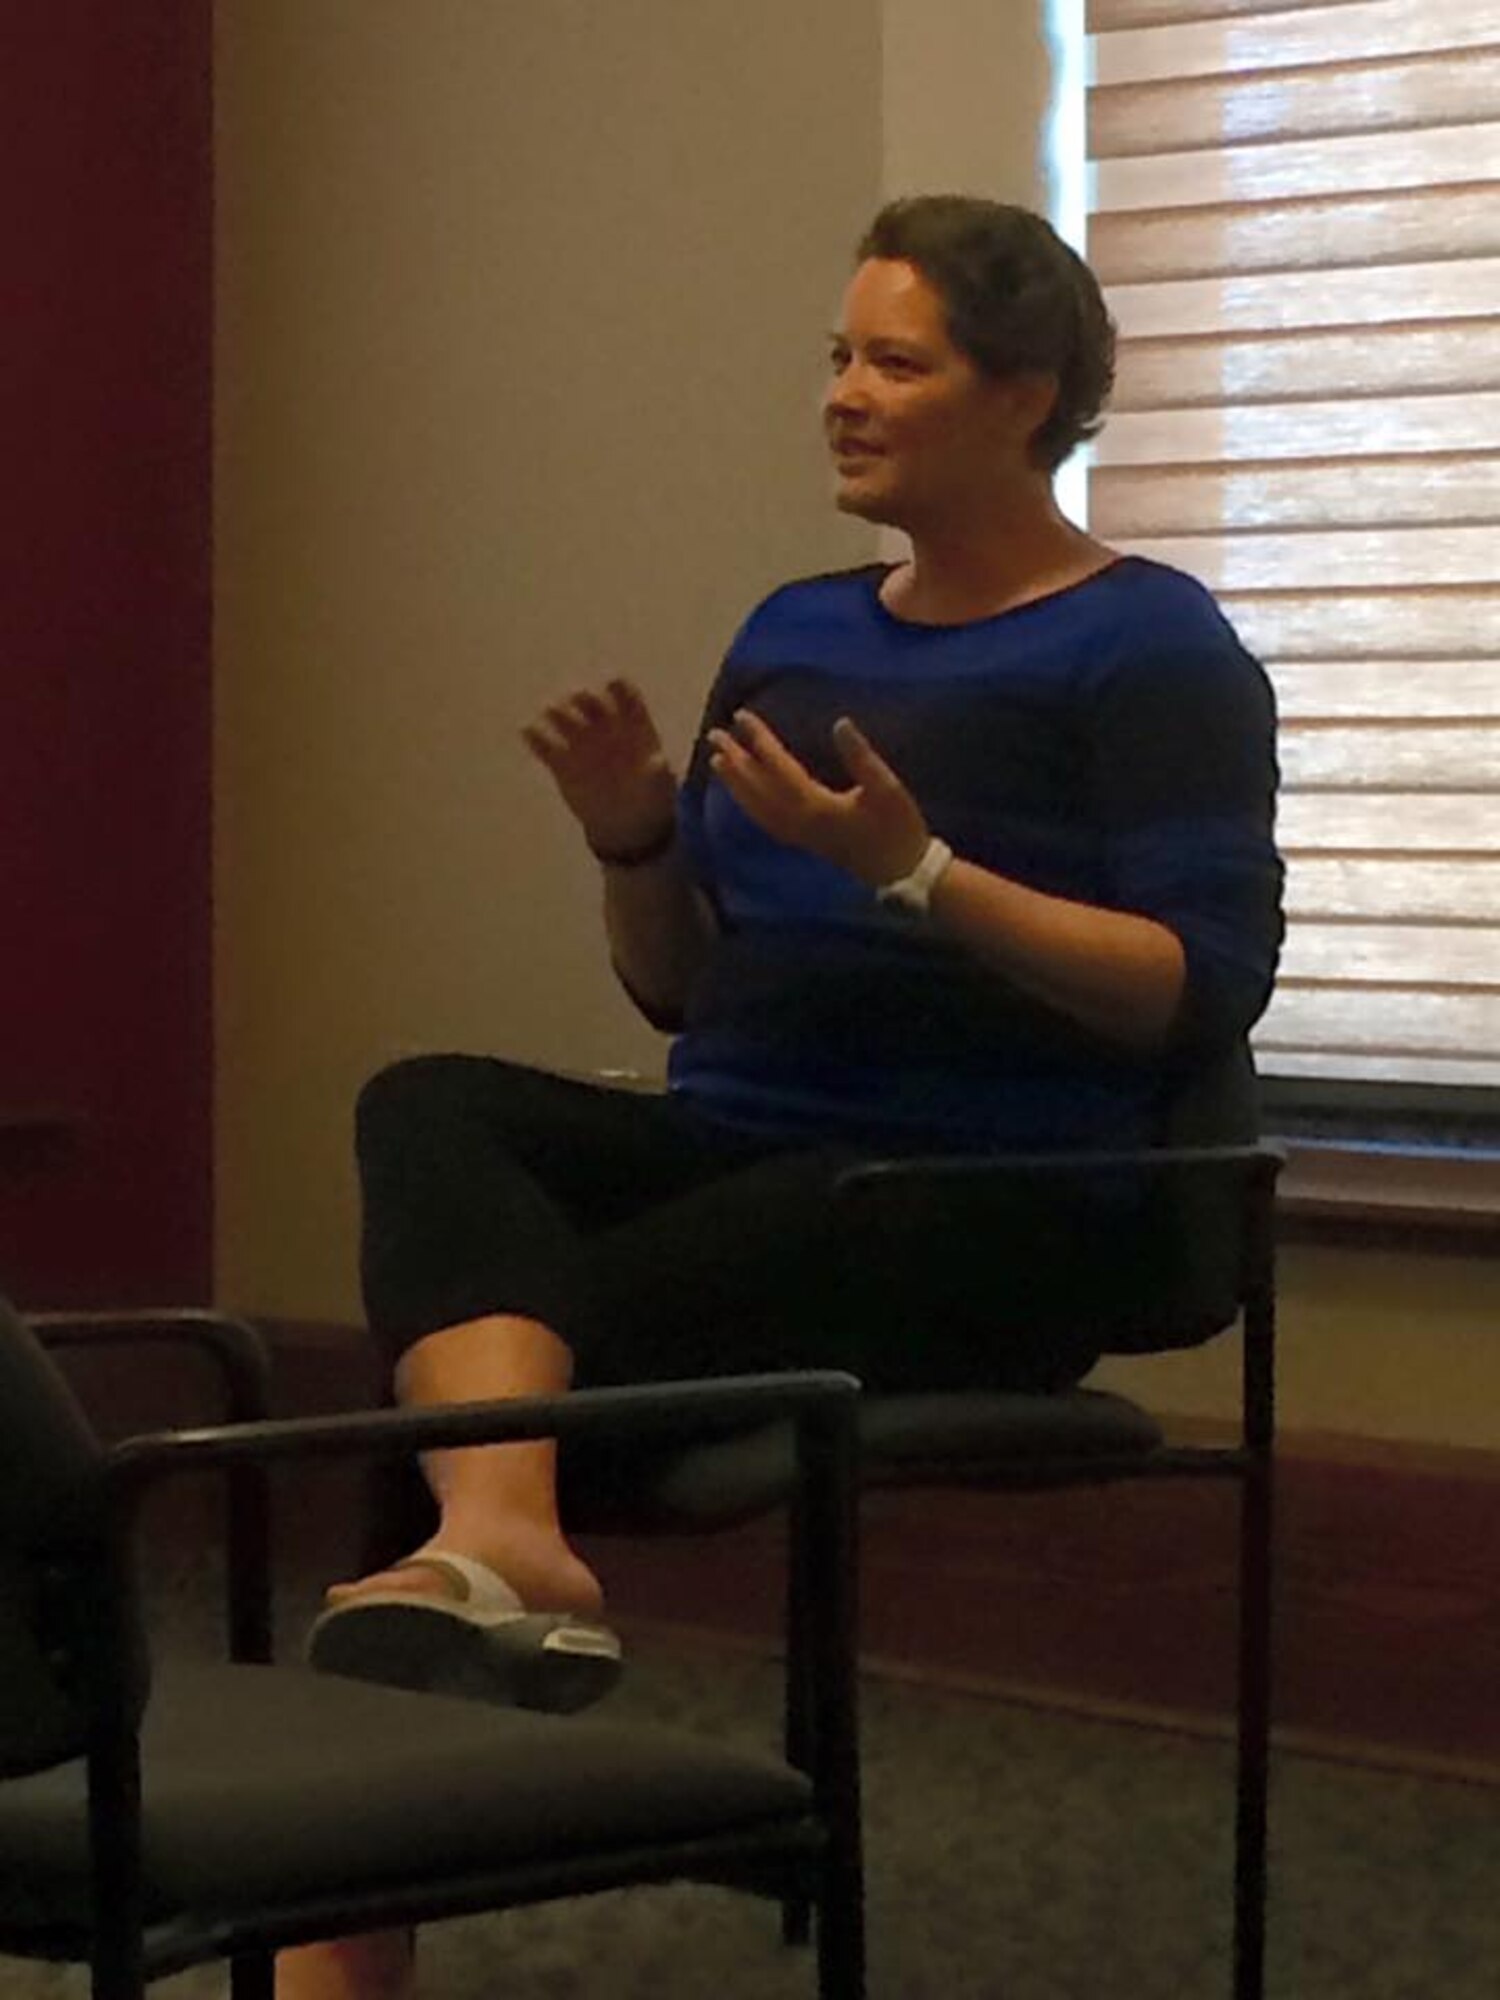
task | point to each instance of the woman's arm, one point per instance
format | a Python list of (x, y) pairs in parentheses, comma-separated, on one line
[(1118, 974), (660, 928), (606, 758)]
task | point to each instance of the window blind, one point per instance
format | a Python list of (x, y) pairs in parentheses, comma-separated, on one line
[(1296, 218)]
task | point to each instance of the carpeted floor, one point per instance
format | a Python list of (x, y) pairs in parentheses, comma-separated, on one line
[(1013, 1854)]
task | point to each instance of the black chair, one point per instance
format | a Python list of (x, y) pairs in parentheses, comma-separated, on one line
[(1195, 1258), (147, 1825)]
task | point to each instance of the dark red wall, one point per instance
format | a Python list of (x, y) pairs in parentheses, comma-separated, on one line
[(105, 625)]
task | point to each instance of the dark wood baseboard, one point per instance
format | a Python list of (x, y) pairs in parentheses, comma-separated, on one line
[(1114, 1600)]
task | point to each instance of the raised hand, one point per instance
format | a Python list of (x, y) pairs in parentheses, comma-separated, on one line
[(875, 829), (607, 761)]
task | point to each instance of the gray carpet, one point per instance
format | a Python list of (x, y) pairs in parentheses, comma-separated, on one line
[(1014, 1854)]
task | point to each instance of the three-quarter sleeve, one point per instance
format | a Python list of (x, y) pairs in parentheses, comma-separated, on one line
[(1182, 767)]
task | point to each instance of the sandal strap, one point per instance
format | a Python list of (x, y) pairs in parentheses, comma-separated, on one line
[(475, 1582)]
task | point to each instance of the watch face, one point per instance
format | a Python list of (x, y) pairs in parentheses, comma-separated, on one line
[(909, 897), (914, 891)]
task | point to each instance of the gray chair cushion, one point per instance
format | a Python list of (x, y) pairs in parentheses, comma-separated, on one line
[(226, 1748), (904, 1440)]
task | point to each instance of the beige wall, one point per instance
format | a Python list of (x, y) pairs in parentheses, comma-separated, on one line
[(521, 315), (1374, 1344), (965, 88)]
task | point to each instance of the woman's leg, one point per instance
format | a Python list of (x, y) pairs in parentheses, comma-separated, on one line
[(381, 1965), (496, 1503), (488, 1190), (517, 1223)]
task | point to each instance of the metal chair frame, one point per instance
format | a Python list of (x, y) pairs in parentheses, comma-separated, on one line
[(813, 1856)]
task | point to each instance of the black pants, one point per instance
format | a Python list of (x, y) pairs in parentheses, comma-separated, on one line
[(661, 1244)]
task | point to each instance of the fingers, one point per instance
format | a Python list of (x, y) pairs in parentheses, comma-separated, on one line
[(566, 723), (763, 777), (543, 742), (629, 702), (859, 756), (755, 748)]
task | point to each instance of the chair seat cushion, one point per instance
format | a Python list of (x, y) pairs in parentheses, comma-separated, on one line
[(265, 1783), (924, 1439)]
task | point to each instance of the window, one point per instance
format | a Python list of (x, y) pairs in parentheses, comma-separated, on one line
[(1295, 211)]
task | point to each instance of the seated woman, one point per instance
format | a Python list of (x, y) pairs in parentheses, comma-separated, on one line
[(974, 851)]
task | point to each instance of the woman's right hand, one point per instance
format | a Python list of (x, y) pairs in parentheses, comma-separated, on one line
[(607, 761)]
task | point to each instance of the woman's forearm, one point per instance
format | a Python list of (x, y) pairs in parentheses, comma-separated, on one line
[(1120, 975), (660, 928)]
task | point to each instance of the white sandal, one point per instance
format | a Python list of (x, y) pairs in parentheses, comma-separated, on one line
[(481, 1642)]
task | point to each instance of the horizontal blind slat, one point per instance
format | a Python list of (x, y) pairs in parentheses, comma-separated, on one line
[(1337, 689), (1134, 118), (1471, 1070), (1375, 1020), (1459, 355), (1105, 14), (1417, 890), (1387, 823), (1443, 423), (1331, 232), (1454, 288), (1293, 39), (1301, 169), (1367, 625), (1420, 557), (1460, 955), (1392, 492), (1435, 757)]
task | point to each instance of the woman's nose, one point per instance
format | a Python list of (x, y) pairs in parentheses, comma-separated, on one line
[(846, 389)]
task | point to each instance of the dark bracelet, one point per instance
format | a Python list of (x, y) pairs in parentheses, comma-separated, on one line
[(635, 857)]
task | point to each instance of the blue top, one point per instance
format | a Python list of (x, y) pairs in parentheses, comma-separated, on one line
[(1112, 743)]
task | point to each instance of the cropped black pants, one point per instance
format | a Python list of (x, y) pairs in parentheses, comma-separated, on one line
[(661, 1244)]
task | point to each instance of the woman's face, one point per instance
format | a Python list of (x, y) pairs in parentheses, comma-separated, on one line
[(921, 437)]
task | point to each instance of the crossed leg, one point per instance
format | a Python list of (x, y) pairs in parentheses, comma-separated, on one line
[(496, 1504)]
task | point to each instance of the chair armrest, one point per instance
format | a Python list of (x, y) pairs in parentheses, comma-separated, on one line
[(1262, 1157), (243, 1368), (820, 1405), (670, 1410), (236, 1347)]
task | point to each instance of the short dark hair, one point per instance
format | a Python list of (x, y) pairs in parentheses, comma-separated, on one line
[(1017, 300)]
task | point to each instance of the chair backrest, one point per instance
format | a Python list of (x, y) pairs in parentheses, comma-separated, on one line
[(56, 1561), (1194, 1234)]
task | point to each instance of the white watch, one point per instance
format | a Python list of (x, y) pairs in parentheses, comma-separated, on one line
[(913, 892)]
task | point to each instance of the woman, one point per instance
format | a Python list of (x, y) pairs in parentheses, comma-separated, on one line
[(974, 850)]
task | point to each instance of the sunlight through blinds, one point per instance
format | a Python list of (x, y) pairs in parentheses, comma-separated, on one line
[(1296, 216)]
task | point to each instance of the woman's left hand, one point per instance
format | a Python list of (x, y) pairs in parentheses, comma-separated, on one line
[(875, 829)]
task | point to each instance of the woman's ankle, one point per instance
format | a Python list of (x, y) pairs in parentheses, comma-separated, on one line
[(541, 1568), (535, 1560)]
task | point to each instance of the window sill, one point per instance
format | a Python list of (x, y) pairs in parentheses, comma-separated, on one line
[(1398, 1194)]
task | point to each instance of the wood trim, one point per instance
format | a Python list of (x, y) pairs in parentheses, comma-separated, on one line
[(1446, 1189)]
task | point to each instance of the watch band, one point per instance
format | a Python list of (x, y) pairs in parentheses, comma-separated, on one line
[(636, 857), (913, 892)]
